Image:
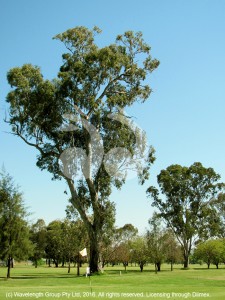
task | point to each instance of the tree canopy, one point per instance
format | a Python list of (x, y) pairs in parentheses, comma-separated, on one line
[(38, 236), (185, 202), (76, 121), (14, 234)]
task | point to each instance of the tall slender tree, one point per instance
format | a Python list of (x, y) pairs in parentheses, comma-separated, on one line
[(14, 234), (156, 238), (38, 236), (88, 96), (173, 250), (55, 242)]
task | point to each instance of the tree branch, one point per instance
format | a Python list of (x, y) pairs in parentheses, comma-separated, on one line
[(18, 133), (119, 77), (76, 201)]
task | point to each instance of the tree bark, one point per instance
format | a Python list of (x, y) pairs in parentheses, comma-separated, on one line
[(94, 229), (94, 253), (125, 264), (186, 261), (158, 264), (9, 267), (171, 265), (69, 266), (186, 252), (56, 263), (78, 264)]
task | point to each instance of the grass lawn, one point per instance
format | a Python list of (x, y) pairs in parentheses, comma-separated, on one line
[(55, 283)]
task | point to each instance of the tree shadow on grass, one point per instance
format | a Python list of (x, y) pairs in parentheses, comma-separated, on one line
[(118, 272), (42, 276), (210, 269)]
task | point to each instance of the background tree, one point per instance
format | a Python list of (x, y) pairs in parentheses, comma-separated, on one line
[(108, 231), (185, 205), (74, 239), (65, 239), (54, 248), (122, 254), (219, 204), (38, 236), (14, 234), (140, 253), (211, 251), (117, 244), (126, 233), (173, 253), (156, 238), (91, 84), (124, 237)]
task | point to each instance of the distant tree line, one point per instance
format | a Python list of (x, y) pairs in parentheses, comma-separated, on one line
[(191, 206)]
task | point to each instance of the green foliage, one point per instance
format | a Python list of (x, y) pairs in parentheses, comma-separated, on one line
[(140, 253), (54, 242), (156, 242), (186, 205), (64, 240), (126, 233), (219, 205), (14, 234), (74, 238), (93, 83), (173, 253), (211, 251), (116, 246), (162, 244), (38, 236)]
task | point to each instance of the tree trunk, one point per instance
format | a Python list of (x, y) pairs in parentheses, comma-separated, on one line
[(56, 263), (94, 228), (69, 266), (78, 264), (158, 264), (9, 267), (125, 264), (171, 265), (94, 253), (186, 261)]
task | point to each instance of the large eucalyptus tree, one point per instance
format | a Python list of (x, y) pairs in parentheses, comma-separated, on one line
[(186, 202), (77, 123)]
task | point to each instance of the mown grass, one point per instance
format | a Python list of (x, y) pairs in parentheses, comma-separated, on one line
[(26, 282)]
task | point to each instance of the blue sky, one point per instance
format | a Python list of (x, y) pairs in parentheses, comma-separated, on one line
[(184, 117)]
